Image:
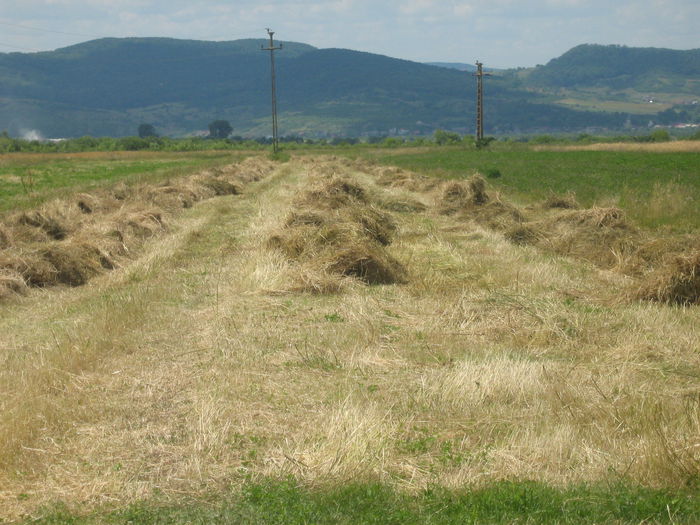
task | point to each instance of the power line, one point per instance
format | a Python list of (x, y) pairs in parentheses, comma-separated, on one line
[(21, 26), (19, 47)]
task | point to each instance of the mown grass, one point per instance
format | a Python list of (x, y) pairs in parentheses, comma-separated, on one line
[(27, 180), (656, 189), (287, 502), (150, 394)]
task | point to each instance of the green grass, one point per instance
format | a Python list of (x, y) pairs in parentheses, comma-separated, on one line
[(656, 189), (29, 180), (285, 502)]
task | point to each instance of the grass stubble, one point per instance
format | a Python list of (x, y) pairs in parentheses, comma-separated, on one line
[(223, 355)]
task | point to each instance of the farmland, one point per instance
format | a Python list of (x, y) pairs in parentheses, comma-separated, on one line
[(377, 336)]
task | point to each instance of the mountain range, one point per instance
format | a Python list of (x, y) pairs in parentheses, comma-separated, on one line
[(111, 86)]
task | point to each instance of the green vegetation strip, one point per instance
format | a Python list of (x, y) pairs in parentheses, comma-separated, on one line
[(505, 502), (656, 189), (27, 181)]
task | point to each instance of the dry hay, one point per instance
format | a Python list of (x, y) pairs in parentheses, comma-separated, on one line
[(70, 241), (251, 169), (401, 204), (470, 200), (102, 202), (122, 191), (174, 196), (601, 236), (367, 262), (455, 197), (332, 230), (5, 237), (11, 283), (54, 225), (677, 281), (398, 178), (567, 202), (523, 234), (59, 262), (333, 193), (220, 186), (461, 195)]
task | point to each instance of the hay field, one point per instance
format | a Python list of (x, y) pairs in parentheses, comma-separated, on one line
[(337, 321), (692, 146)]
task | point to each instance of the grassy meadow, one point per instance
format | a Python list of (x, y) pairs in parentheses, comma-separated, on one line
[(656, 184), (28, 179), (367, 338)]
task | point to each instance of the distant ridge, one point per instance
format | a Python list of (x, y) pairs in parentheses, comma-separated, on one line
[(109, 86)]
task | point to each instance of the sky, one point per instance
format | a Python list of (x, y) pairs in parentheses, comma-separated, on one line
[(499, 33)]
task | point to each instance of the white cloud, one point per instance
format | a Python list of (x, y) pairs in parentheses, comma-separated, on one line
[(500, 32)]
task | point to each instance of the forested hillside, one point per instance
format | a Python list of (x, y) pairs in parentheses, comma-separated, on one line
[(622, 67), (111, 86)]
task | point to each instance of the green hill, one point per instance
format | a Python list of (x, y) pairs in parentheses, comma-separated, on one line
[(110, 86), (621, 67)]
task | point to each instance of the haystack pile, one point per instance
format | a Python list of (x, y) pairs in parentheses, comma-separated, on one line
[(470, 200), (69, 241), (334, 231)]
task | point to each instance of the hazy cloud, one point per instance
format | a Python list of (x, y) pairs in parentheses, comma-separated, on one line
[(500, 32)]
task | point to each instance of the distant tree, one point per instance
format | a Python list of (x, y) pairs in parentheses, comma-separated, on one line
[(220, 129), (147, 130), (442, 137)]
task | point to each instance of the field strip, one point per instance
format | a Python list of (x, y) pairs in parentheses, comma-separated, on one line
[(254, 341)]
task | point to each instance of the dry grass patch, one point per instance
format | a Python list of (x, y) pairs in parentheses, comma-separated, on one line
[(661, 147)]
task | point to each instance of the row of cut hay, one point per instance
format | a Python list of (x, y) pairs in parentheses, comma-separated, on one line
[(70, 241), (332, 232), (601, 236), (398, 178), (666, 269), (470, 200)]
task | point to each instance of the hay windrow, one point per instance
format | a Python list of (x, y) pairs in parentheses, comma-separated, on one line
[(11, 283), (398, 178), (70, 241), (675, 282), (334, 230), (566, 201), (470, 200), (601, 236), (220, 186), (54, 225), (5, 237), (402, 204), (334, 193)]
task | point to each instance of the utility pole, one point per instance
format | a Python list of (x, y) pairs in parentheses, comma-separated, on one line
[(272, 50), (480, 101)]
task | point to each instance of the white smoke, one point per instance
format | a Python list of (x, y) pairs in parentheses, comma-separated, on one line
[(32, 134)]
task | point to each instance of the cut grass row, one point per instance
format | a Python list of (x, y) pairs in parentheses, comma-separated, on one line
[(26, 181), (274, 501), (656, 189)]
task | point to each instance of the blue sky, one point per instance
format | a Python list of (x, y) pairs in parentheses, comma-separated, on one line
[(500, 33)]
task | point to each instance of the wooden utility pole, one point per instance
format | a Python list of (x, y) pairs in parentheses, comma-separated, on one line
[(271, 48), (480, 101)]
